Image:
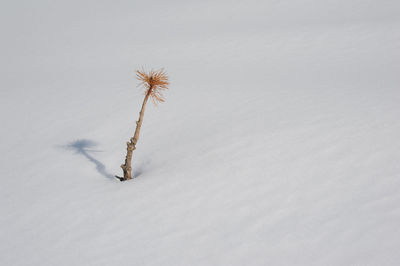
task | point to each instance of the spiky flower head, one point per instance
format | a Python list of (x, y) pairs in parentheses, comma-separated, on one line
[(154, 82)]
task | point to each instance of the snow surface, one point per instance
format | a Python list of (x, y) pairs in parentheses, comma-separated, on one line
[(278, 143)]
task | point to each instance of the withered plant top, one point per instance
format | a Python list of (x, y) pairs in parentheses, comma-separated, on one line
[(154, 83)]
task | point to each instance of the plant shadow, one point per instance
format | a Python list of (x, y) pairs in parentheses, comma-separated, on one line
[(85, 147)]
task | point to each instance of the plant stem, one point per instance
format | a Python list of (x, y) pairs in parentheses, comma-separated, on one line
[(131, 145)]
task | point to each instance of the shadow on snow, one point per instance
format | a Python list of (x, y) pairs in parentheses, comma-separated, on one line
[(85, 147)]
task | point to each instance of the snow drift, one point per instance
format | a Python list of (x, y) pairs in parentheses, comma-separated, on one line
[(277, 143)]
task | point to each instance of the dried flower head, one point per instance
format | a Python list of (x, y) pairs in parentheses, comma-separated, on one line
[(154, 83)]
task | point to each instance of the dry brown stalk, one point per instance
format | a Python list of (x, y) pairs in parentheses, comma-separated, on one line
[(154, 82)]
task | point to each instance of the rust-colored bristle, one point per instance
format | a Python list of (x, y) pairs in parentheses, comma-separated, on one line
[(154, 83)]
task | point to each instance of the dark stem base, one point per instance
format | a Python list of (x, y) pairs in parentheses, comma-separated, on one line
[(120, 178)]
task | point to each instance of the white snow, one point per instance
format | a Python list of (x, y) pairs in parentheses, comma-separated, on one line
[(278, 143)]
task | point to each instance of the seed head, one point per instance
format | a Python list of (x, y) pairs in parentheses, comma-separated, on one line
[(154, 82)]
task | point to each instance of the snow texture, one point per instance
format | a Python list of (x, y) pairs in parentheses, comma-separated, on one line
[(278, 143)]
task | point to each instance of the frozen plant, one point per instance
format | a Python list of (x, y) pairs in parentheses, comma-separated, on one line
[(154, 82)]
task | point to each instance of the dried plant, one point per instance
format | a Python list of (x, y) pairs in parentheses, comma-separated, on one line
[(154, 82)]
